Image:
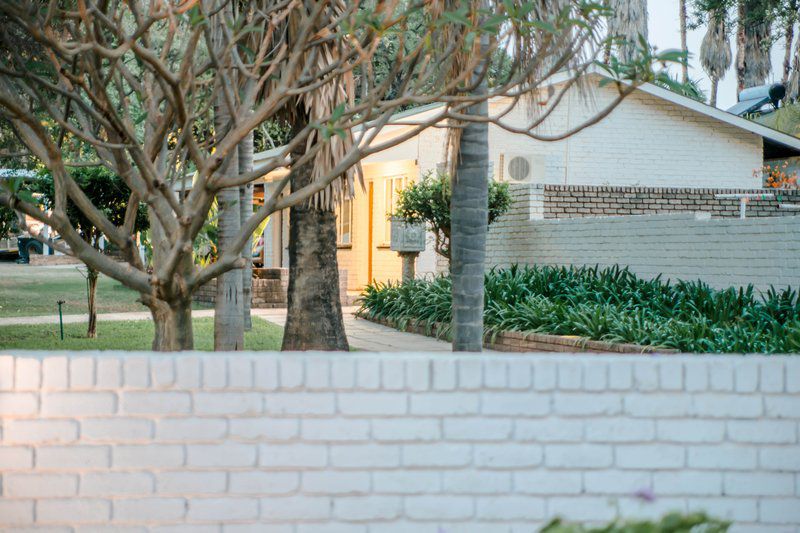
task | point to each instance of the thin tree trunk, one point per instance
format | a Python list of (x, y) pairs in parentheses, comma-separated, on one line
[(787, 57), (714, 88), (469, 216), (793, 83), (246, 206), (228, 317), (741, 43), (314, 315), (173, 324), (91, 286), (684, 46)]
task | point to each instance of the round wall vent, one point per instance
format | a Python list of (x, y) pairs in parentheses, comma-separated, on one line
[(519, 168)]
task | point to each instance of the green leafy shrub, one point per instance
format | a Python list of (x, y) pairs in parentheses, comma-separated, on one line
[(610, 304), (428, 201), (671, 523)]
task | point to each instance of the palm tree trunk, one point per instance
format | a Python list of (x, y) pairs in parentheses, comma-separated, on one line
[(714, 88), (787, 57), (246, 207), (228, 317), (741, 42), (793, 83), (469, 216), (314, 315), (91, 287), (684, 46)]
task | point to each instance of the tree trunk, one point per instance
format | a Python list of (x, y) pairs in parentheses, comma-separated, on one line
[(314, 315), (91, 287), (246, 206), (173, 325), (787, 57), (469, 220), (741, 42), (684, 46), (228, 318), (714, 88)]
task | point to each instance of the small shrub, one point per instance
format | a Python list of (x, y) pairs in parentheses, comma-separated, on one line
[(428, 201)]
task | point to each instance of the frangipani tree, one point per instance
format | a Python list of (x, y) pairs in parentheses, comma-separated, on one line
[(135, 86)]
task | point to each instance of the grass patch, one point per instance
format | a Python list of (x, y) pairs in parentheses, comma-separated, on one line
[(34, 291), (128, 335), (611, 304)]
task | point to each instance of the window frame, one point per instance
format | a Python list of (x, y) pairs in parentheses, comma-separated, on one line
[(344, 208)]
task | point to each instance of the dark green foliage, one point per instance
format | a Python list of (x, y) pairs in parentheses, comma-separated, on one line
[(8, 222), (105, 190), (609, 304), (671, 523), (428, 201)]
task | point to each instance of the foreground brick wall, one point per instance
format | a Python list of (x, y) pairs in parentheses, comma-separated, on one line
[(385, 443)]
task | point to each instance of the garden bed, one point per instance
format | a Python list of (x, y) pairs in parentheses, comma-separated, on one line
[(547, 308), (523, 342)]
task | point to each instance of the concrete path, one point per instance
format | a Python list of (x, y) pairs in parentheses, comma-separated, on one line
[(368, 336), (76, 319), (362, 334)]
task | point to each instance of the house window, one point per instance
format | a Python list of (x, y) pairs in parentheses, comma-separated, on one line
[(344, 222), (393, 186)]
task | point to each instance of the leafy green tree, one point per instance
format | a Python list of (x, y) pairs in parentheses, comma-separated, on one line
[(110, 194), (428, 201)]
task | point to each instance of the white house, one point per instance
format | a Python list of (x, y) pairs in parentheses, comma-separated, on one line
[(653, 138)]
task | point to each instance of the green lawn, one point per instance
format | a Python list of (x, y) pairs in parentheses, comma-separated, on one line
[(34, 291), (130, 335)]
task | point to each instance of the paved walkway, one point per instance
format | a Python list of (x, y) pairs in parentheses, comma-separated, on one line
[(368, 336), (362, 334)]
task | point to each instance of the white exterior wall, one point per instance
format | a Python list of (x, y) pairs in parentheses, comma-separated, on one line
[(722, 252), (645, 141), (394, 442)]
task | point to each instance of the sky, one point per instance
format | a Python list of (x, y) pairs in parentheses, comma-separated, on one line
[(664, 30)]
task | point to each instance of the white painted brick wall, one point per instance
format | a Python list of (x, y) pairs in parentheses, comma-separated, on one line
[(400, 442), (722, 252)]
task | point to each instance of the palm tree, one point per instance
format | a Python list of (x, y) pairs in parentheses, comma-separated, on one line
[(628, 24), (715, 51), (245, 154), (469, 203), (753, 62), (228, 318), (469, 211), (684, 47), (788, 16), (793, 83), (314, 316)]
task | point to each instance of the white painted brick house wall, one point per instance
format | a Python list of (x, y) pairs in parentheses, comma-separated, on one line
[(383, 443), (723, 252), (645, 141)]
